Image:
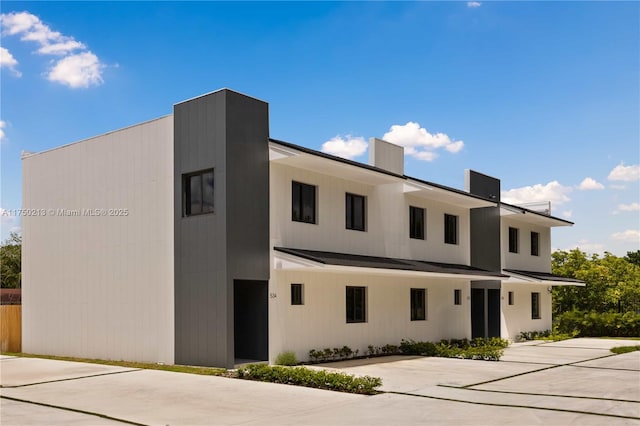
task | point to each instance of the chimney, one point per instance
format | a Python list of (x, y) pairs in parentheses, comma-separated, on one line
[(387, 156)]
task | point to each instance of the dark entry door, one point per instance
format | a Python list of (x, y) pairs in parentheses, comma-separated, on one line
[(251, 320), (477, 312), (485, 312)]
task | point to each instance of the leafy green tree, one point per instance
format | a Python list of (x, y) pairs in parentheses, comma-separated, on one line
[(612, 283), (10, 258), (633, 257)]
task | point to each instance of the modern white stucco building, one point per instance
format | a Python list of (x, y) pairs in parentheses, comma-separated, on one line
[(196, 239)]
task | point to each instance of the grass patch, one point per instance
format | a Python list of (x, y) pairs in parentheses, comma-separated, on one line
[(319, 379), (625, 349), (206, 371)]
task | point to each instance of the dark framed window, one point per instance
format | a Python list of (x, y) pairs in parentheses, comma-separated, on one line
[(535, 244), (511, 301), (416, 222), (450, 229), (513, 240), (535, 305), (303, 202), (457, 296), (297, 296), (197, 192), (356, 211), (418, 304), (356, 304)]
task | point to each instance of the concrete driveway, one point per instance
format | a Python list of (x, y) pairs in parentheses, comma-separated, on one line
[(576, 381)]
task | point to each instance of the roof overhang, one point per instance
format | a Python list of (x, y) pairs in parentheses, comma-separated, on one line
[(544, 278), (329, 165), (525, 215), (437, 193), (318, 261)]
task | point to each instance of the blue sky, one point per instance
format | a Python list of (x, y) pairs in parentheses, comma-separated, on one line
[(543, 95)]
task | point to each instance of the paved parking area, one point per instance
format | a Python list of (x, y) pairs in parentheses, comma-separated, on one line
[(572, 382)]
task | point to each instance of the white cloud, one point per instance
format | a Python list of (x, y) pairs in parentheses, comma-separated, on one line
[(419, 143), (552, 191), (586, 246), (3, 124), (633, 207), (625, 173), (79, 67), (474, 4), (628, 235), (567, 214), (8, 61), (81, 70), (347, 147), (590, 184)]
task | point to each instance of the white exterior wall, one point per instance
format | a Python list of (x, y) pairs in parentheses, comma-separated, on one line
[(101, 287), (321, 321), (523, 260), (387, 221), (517, 317)]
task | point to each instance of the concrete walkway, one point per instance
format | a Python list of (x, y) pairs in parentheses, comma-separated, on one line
[(576, 381)]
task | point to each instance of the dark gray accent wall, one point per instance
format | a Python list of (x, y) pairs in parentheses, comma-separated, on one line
[(484, 222), (229, 132)]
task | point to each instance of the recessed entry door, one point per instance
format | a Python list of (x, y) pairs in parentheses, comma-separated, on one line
[(251, 320)]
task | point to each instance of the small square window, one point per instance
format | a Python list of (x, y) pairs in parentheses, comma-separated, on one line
[(303, 202), (535, 244), (355, 212), (450, 229), (418, 304), (535, 305), (416, 222), (457, 296), (356, 304), (197, 193), (511, 301), (297, 294), (513, 240)]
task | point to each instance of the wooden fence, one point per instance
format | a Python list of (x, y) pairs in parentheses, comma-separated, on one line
[(10, 328)]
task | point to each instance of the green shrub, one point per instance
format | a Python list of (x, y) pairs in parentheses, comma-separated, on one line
[(594, 324), (544, 335), (411, 347), (286, 358), (485, 349), (301, 376), (335, 354)]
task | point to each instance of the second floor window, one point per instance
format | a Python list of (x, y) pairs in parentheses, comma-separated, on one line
[(303, 202), (450, 229), (197, 192), (513, 240), (535, 244), (416, 222), (356, 212)]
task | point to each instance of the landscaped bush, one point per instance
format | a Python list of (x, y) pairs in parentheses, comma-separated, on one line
[(286, 358), (486, 349), (544, 335), (302, 376), (335, 354), (411, 347), (594, 324)]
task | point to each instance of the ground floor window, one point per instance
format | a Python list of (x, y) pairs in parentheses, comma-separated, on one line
[(535, 305), (418, 304), (356, 304), (511, 298), (457, 296), (297, 294)]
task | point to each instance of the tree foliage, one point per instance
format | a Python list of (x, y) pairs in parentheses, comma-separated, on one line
[(612, 283), (10, 258)]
